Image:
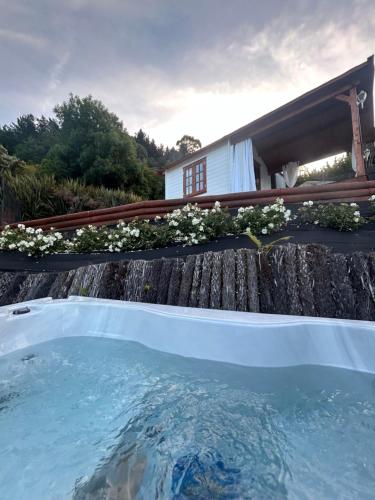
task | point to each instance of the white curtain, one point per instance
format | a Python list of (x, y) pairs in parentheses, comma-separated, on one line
[(290, 171), (280, 181), (354, 162), (242, 167)]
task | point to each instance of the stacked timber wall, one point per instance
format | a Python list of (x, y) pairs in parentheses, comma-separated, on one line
[(307, 280)]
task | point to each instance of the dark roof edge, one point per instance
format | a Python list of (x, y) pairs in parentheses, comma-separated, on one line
[(227, 137)]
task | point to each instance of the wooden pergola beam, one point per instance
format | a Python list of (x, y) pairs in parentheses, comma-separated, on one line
[(351, 100)]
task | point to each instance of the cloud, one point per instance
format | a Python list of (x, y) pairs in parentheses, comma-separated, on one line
[(203, 68), (23, 38)]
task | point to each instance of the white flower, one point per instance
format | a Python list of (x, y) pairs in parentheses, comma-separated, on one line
[(357, 213), (264, 230), (372, 197), (316, 222), (195, 221), (79, 232), (353, 205), (240, 210), (271, 225), (266, 209), (12, 246), (21, 226), (356, 219)]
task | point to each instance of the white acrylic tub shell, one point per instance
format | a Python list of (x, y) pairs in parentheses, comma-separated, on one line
[(249, 339)]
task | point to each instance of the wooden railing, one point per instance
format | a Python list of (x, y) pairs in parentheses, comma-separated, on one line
[(356, 190)]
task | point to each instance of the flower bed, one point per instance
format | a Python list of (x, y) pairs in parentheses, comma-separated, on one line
[(341, 216), (189, 225)]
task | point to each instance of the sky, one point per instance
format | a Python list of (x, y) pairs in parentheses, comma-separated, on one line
[(173, 67)]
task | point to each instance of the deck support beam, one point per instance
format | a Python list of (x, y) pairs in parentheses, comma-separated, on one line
[(351, 100)]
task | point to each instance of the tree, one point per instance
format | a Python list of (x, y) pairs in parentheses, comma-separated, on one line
[(29, 138), (339, 170), (93, 145), (86, 141), (188, 144), (9, 165)]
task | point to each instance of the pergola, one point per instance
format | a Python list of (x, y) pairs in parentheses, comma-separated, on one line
[(323, 122)]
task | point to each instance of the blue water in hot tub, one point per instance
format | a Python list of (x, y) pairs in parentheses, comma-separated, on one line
[(86, 417)]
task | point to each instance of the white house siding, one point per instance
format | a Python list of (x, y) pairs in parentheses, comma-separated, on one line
[(218, 174), (217, 168)]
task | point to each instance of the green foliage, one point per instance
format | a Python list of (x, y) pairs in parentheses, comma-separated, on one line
[(88, 239), (86, 141), (42, 196), (155, 156), (33, 242), (36, 196), (188, 144), (93, 145), (340, 170), (265, 248), (30, 138), (9, 165), (189, 225), (263, 220), (341, 216), (218, 221)]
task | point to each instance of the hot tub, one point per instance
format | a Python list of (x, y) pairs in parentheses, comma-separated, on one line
[(101, 398)]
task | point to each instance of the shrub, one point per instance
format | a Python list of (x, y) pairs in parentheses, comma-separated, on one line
[(137, 235), (89, 239), (187, 225), (218, 221), (42, 196), (266, 220), (36, 196), (342, 216), (32, 241)]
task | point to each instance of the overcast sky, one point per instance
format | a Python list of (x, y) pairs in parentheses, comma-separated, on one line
[(200, 67)]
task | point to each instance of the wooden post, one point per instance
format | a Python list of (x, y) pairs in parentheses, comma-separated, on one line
[(351, 100)]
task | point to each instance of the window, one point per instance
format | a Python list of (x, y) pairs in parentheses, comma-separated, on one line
[(195, 178)]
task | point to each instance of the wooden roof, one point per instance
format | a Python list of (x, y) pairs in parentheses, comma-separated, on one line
[(311, 127)]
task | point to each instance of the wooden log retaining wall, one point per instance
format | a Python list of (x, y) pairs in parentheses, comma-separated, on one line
[(355, 190), (307, 280)]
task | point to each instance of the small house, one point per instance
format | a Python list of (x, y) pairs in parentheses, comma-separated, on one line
[(335, 117)]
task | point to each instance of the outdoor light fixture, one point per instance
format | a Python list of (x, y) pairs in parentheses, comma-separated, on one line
[(366, 154), (361, 98)]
